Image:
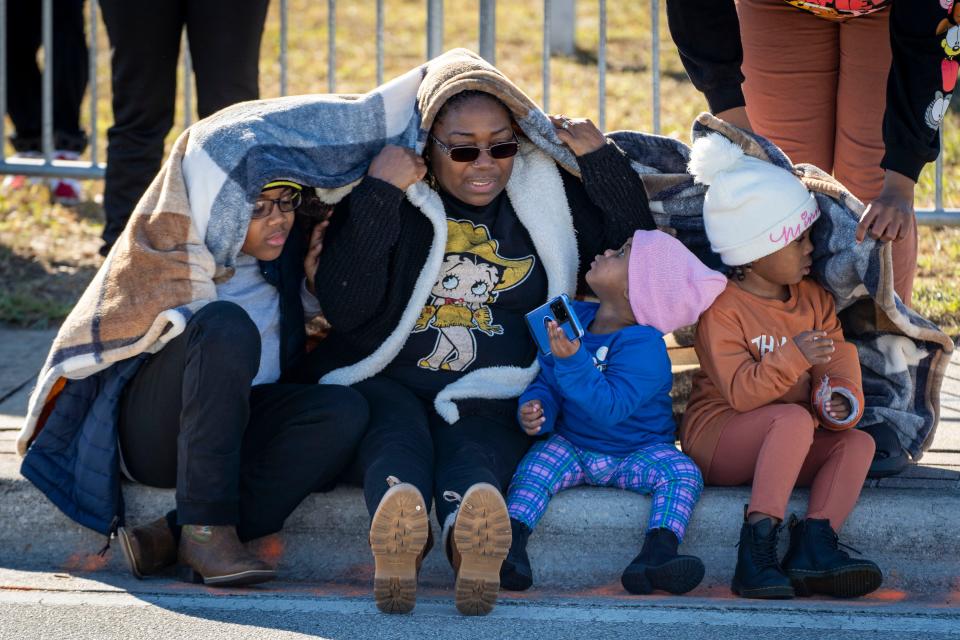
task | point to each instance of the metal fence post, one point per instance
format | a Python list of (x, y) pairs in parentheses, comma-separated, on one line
[(379, 42), (331, 46), (187, 82), (602, 66), (47, 90), (488, 30), (545, 63), (283, 47), (655, 62), (563, 26), (434, 28)]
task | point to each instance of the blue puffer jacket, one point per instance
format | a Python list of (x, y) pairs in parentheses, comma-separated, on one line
[(75, 461)]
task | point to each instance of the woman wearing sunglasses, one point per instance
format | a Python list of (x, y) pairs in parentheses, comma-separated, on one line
[(206, 414), (505, 227)]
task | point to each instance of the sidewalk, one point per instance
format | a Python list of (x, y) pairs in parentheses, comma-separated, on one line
[(909, 524)]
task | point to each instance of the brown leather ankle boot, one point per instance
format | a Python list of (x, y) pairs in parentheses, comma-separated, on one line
[(215, 556), (399, 539), (477, 545), (148, 548)]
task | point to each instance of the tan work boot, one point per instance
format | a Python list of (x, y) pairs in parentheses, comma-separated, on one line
[(399, 534), (478, 545), (148, 548), (215, 556)]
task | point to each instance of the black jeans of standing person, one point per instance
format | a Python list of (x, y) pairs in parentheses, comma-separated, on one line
[(408, 440), (224, 38), (237, 455), (70, 73)]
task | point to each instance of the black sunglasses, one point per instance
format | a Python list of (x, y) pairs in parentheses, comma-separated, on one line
[(469, 153), (263, 206)]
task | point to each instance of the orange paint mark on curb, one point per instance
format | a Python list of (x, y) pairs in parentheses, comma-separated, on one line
[(887, 595), (269, 549), (85, 562)]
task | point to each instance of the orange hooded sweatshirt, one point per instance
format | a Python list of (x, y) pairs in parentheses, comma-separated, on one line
[(748, 360)]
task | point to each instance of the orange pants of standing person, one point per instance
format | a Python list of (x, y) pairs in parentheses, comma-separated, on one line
[(818, 88), (778, 447)]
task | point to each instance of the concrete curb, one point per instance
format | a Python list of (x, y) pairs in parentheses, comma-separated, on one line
[(583, 543)]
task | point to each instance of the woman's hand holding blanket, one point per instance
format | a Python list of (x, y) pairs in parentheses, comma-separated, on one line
[(399, 166)]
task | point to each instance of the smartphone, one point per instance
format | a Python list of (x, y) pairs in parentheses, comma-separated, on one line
[(560, 310)]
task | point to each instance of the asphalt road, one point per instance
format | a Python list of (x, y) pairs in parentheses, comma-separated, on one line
[(105, 615)]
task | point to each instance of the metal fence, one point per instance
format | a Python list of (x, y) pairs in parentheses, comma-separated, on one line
[(94, 169)]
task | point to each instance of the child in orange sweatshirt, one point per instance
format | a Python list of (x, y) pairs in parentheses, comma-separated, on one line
[(779, 391)]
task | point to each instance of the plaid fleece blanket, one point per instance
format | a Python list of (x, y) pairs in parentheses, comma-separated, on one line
[(186, 231)]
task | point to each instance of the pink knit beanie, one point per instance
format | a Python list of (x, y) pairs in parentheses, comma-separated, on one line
[(668, 286)]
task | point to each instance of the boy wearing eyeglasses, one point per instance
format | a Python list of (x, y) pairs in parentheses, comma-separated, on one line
[(208, 415)]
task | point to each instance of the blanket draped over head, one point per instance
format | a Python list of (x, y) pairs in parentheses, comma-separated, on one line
[(186, 231)]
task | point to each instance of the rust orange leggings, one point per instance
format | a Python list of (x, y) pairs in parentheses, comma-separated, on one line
[(778, 448), (818, 89)]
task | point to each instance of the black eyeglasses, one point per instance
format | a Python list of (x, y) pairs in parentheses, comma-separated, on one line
[(469, 153), (288, 203)]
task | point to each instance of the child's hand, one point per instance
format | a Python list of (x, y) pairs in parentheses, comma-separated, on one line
[(399, 166), (580, 134), (312, 258), (560, 345), (815, 346), (838, 408), (531, 417)]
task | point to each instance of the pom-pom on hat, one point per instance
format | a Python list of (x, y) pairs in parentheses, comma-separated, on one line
[(668, 286), (752, 208)]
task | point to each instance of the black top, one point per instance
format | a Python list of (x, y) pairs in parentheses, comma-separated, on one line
[(474, 318), (378, 242), (918, 87)]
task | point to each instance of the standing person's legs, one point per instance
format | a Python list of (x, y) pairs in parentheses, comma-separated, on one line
[(71, 68), (300, 436), (145, 43), (865, 59), (861, 101), (225, 47), (23, 75), (790, 62)]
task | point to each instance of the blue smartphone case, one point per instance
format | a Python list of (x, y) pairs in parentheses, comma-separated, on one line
[(558, 309)]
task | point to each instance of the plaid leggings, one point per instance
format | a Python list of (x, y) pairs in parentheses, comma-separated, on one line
[(555, 464)]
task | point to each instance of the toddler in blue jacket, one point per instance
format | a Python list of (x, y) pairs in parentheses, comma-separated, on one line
[(605, 402)]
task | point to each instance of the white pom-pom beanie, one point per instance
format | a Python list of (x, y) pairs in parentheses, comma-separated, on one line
[(752, 208)]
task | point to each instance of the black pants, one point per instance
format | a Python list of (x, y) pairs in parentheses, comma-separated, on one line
[(407, 439), (224, 38), (237, 455), (70, 72)]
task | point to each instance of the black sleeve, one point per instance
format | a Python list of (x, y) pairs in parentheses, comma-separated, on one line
[(608, 205), (707, 35), (919, 86), (353, 273)]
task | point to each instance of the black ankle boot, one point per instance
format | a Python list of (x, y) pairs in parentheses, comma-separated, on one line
[(758, 574), (658, 566), (815, 563), (515, 572)]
